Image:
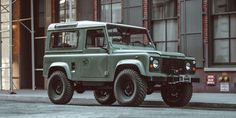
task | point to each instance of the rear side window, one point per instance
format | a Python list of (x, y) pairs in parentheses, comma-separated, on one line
[(64, 39)]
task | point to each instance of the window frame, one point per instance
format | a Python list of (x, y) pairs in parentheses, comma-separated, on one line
[(110, 3), (65, 11), (229, 38), (164, 19)]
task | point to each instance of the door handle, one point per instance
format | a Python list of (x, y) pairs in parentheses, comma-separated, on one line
[(85, 61)]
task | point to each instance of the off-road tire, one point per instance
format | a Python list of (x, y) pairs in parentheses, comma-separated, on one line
[(125, 80), (104, 97), (177, 95), (60, 89)]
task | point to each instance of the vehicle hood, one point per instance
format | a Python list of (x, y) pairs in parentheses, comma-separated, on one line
[(161, 53)]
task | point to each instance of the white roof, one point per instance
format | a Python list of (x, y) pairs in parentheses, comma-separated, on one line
[(84, 24)]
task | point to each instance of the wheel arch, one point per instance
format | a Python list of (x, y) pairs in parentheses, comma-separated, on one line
[(132, 64), (62, 66)]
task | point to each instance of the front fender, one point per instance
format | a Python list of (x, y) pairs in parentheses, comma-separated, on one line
[(62, 65), (134, 62)]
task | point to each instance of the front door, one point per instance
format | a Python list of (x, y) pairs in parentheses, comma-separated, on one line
[(93, 65)]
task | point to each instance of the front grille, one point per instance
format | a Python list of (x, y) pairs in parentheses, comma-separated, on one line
[(173, 66)]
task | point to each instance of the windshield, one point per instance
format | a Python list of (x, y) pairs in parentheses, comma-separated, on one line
[(121, 35)]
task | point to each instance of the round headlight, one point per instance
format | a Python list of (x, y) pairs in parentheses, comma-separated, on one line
[(188, 66), (155, 63)]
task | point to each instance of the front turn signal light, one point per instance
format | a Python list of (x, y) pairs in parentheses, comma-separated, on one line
[(194, 69)]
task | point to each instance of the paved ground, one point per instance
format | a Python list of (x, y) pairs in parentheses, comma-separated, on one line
[(14, 109), (207, 100)]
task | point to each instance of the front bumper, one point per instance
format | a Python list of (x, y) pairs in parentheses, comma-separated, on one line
[(173, 79)]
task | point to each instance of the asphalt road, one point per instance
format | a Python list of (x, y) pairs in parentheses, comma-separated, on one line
[(13, 109)]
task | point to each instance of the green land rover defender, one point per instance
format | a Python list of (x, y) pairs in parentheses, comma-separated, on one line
[(119, 62)]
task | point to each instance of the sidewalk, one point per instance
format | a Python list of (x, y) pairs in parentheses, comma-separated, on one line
[(208, 100)]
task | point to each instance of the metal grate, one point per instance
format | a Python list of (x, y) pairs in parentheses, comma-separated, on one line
[(173, 66)]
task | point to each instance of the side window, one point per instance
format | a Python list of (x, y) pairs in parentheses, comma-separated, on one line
[(95, 38), (65, 39)]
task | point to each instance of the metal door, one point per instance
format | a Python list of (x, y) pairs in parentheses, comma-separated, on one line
[(93, 63)]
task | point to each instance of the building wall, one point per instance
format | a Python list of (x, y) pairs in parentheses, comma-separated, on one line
[(207, 68), (91, 10)]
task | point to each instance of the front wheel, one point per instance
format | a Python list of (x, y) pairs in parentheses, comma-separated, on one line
[(129, 88), (177, 95), (60, 89), (104, 97)]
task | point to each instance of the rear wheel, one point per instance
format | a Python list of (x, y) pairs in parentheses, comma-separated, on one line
[(60, 89), (177, 95), (129, 88), (104, 97)]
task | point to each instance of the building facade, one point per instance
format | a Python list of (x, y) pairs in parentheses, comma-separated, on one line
[(204, 29)]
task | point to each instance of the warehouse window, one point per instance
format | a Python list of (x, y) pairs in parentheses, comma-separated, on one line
[(164, 19), (67, 10), (110, 11), (224, 31)]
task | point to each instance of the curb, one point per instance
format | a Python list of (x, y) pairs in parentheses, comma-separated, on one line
[(195, 105), (93, 102), (212, 105)]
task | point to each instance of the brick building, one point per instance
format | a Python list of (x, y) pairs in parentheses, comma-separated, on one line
[(205, 29)]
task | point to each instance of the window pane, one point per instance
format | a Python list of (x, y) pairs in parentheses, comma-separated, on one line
[(161, 46), (233, 50), (163, 9), (172, 30), (232, 5), (105, 1), (116, 13), (158, 9), (62, 10), (110, 11), (170, 7), (233, 25), (106, 13), (182, 18), (221, 49), (172, 46), (73, 15), (159, 31), (219, 6), (127, 36), (64, 39), (73, 2), (114, 1), (41, 13), (65, 12), (221, 26)]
